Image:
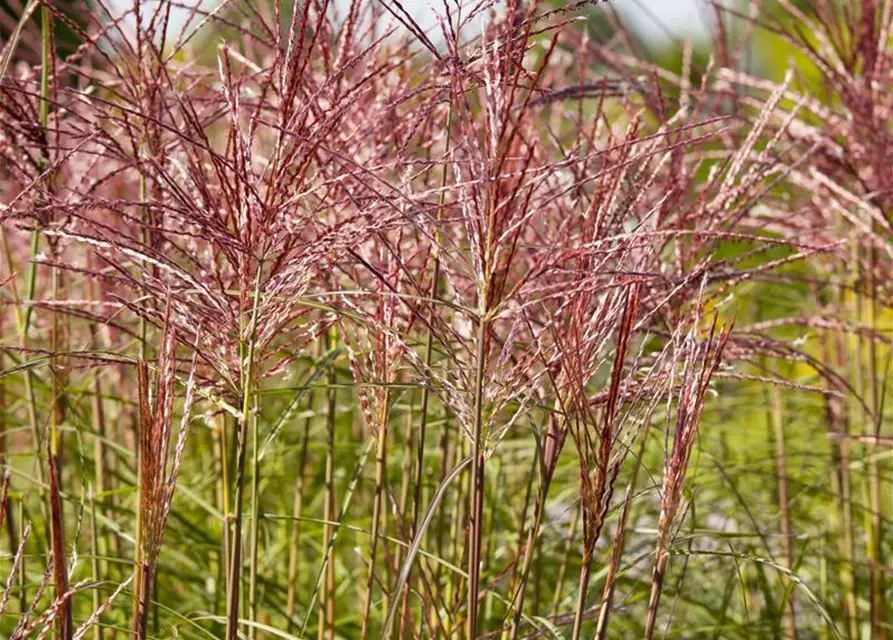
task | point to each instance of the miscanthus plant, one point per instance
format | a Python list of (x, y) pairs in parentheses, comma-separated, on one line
[(319, 321)]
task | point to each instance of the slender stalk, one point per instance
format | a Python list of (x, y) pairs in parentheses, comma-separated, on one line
[(565, 559), (24, 319), (619, 540), (94, 561), (519, 580), (581, 597), (406, 476), (380, 471), (138, 544), (57, 383), (223, 497), (498, 497), (784, 506), (824, 592), (444, 530), (66, 627), (8, 520), (60, 566), (46, 53), (29, 375), (879, 603), (137, 603), (295, 538), (453, 587), (141, 625), (841, 482), (327, 602), (235, 568), (55, 459), (537, 581), (255, 524), (23, 580), (657, 583), (429, 359), (477, 486), (100, 434)]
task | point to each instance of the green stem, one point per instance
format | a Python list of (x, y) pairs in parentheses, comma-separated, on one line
[(327, 602), (380, 469), (565, 559), (94, 563), (879, 603), (786, 524), (220, 432), (235, 568), (532, 535), (255, 523), (477, 488), (31, 283), (294, 542)]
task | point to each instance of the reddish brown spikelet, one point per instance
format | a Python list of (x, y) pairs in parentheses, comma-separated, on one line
[(158, 474), (700, 362)]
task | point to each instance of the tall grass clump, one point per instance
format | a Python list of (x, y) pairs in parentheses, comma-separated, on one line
[(322, 319)]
